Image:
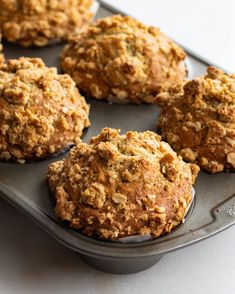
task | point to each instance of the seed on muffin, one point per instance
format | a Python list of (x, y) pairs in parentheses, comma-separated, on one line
[(122, 185), (120, 59), (37, 22), (41, 111), (198, 120)]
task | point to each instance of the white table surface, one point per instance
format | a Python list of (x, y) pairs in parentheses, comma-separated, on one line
[(32, 262)]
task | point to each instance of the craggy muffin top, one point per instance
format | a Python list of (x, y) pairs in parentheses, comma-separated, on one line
[(121, 59), (198, 120), (36, 22), (122, 185), (41, 111)]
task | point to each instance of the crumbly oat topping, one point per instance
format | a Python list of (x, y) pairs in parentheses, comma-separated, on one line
[(121, 59), (122, 185), (41, 111), (36, 22), (198, 120)]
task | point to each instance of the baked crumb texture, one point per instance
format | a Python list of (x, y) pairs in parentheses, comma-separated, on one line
[(41, 111), (198, 120), (36, 22), (122, 185), (121, 59)]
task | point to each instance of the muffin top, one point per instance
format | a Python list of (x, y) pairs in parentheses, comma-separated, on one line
[(118, 58), (36, 22), (122, 185), (41, 111), (198, 120)]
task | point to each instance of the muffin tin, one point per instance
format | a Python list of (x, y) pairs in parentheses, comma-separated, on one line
[(25, 187)]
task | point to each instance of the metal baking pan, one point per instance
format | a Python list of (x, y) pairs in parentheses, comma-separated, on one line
[(25, 187)]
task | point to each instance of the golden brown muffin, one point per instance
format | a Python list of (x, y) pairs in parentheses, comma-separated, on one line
[(198, 120), (1, 54), (122, 185), (41, 111), (120, 59), (36, 22)]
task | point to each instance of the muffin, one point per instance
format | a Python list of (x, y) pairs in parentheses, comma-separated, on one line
[(122, 185), (120, 59), (37, 22), (1, 54), (198, 120), (41, 112)]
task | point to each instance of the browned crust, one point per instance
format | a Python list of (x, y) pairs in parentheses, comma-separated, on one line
[(41, 111), (36, 22), (122, 185), (198, 120), (119, 58)]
